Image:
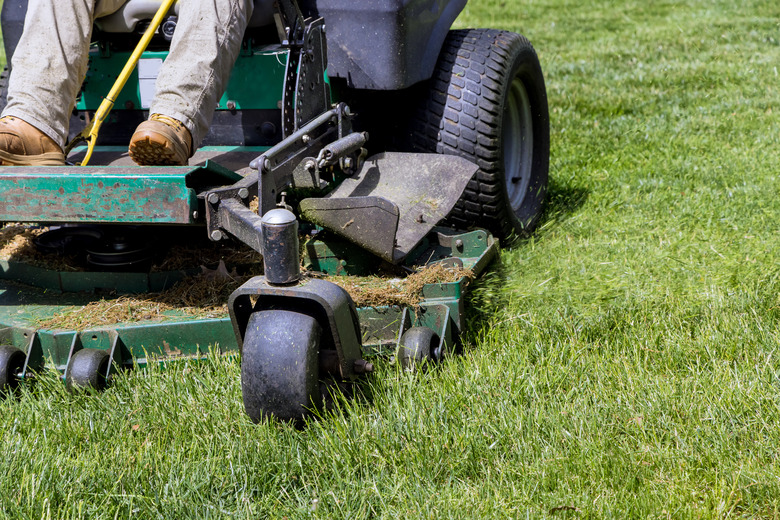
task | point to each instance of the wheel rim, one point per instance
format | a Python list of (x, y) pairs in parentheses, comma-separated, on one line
[(518, 143)]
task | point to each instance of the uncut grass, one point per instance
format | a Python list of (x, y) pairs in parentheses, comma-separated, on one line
[(622, 363)]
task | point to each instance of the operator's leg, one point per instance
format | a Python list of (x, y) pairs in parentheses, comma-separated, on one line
[(48, 67), (192, 79)]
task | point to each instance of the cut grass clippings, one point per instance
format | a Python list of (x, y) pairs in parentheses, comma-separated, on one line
[(16, 240), (16, 243), (206, 296), (377, 291), (200, 296)]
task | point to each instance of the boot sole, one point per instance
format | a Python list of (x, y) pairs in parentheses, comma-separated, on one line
[(152, 149)]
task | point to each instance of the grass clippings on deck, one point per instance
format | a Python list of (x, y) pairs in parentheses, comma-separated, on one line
[(206, 296), (377, 291), (16, 244)]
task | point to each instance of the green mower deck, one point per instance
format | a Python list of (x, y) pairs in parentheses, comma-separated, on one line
[(30, 295)]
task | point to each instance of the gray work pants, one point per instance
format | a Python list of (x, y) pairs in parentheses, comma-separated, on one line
[(51, 60)]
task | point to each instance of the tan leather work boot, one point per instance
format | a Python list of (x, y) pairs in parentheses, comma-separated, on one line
[(21, 144), (161, 141)]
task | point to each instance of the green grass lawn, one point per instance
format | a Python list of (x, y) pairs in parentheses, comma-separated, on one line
[(622, 363)]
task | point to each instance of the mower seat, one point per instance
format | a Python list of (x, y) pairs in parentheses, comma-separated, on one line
[(126, 19)]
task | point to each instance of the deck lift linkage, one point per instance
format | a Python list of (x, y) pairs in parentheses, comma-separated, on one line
[(481, 91)]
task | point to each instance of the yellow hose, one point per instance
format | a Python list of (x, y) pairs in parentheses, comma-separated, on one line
[(90, 133)]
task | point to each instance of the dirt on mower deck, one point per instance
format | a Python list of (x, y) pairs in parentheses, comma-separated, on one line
[(206, 295)]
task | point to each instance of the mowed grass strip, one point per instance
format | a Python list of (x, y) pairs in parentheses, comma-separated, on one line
[(622, 363)]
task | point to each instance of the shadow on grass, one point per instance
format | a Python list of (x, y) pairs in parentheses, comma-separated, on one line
[(487, 292), (561, 202)]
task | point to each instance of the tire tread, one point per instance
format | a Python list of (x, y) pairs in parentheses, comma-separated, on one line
[(461, 116)]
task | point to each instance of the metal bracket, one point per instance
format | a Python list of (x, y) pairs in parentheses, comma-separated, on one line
[(118, 354), (306, 94), (227, 211), (304, 159), (34, 361), (327, 301)]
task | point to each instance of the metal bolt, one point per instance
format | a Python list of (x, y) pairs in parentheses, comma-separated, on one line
[(266, 165), (195, 215), (363, 367), (310, 165), (213, 198), (347, 111), (169, 27), (216, 235), (231, 105), (459, 244), (305, 138), (348, 163), (243, 193), (268, 129)]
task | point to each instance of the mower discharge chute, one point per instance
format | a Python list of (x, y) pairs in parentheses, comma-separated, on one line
[(384, 135)]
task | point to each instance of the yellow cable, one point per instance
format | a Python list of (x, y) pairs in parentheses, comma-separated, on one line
[(90, 133)]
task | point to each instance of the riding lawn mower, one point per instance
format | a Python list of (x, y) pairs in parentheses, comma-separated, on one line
[(353, 138)]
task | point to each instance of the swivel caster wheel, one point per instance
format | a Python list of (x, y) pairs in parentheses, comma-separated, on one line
[(11, 365), (87, 369)]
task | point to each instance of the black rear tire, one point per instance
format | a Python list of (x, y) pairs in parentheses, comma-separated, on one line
[(487, 102)]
